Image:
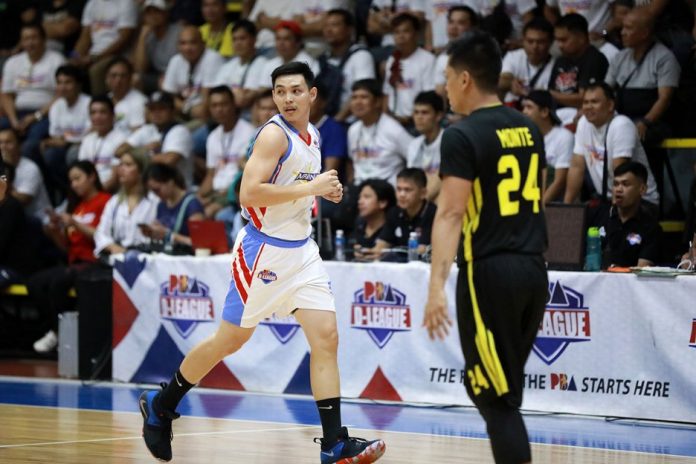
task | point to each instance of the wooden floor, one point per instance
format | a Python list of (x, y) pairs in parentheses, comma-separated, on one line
[(55, 435)]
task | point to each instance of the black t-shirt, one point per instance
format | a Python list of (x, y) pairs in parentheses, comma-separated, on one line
[(571, 75), (502, 152), (398, 226), (16, 248), (359, 236), (625, 243)]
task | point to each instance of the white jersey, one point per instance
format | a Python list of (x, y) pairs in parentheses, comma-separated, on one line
[(300, 163)]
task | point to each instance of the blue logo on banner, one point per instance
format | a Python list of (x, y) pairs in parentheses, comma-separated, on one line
[(283, 329), (380, 310), (186, 302), (566, 320)]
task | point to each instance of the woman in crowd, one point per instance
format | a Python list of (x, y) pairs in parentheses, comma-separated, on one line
[(73, 232), (376, 197)]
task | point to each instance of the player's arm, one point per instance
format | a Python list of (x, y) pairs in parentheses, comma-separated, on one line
[(576, 174), (256, 191)]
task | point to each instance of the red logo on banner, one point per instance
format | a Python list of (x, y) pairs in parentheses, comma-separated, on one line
[(562, 382), (692, 340), (381, 310)]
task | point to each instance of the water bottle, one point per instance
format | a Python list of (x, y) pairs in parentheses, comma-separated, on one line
[(340, 246), (593, 257), (413, 246)]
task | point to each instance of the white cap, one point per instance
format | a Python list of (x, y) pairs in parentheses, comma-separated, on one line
[(159, 4)]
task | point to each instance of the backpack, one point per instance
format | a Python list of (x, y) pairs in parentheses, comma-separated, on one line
[(331, 78)]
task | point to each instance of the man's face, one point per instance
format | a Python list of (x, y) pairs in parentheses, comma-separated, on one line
[(292, 97), (455, 87), (458, 23), (67, 87), (536, 45), (263, 110), (634, 32), (160, 114), (243, 42), (425, 118), (363, 103), (287, 45), (118, 79), (405, 36), (221, 108), (335, 30), (596, 107), (9, 147), (569, 43), (31, 41), (408, 194), (101, 117), (154, 17), (627, 190), (212, 10), (191, 45)]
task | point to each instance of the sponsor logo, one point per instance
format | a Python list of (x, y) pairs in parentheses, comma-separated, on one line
[(186, 302), (563, 382), (566, 320), (305, 176), (283, 329), (692, 339), (381, 311), (267, 276)]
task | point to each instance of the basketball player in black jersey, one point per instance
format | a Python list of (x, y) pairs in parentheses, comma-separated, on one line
[(493, 163)]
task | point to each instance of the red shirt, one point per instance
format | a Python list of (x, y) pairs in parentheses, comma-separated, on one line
[(87, 212)]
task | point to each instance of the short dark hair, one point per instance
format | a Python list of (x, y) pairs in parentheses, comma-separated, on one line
[(121, 60), (37, 26), (402, 18), (88, 168), (104, 99), (478, 53), (432, 99), (161, 172), (604, 87), (383, 189), (416, 175), (71, 71), (12, 131), (294, 67), (266, 93), (221, 90), (371, 85), (247, 25), (347, 16), (574, 22), (473, 16), (634, 167), (539, 24), (322, 90)]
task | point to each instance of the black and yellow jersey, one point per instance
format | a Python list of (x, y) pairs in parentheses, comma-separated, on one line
[(501, 152)]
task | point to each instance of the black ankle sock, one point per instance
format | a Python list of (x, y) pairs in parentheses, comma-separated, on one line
[(176, 389), (330, 415)]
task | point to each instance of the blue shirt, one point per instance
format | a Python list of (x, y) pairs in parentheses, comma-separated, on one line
[(167, 216), (334, 139)]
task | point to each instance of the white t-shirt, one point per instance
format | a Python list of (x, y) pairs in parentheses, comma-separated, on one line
[(224, 150), (178, 140), (400, 6), (69, 122), (312, 12), (439, 69), (516, 63), (176, 78), (29, 181), (359, 65), (283, 9), (378, 151), (234, 73), (34, 84), (597, 12), (273, 63), (130, 111), (118, 225), (609, 50), (102, 151), (558, 144), (417, 74), (622, 141), (425, 156), (105, 18)]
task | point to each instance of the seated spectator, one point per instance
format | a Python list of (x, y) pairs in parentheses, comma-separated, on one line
[(263, 109), (73, 231), (408, 69), (118, 228), (312, 15), (244, 72), (383, 12), (217, 31), (156, 45), (163, 139), (603, 141), (529, 67), (129, 103), (100, 145), (558, 141), (596, 13), (61, 21), (107, 28), (375, 198), (175, 209), (226, 150), (424, 151), (27, 186), (619, 10), (334, 137), (266, 14), (28, 89), (579, 65), (288, 46), (631, 234), (190, 74), (414, 213), (460, 18), (377, 143)]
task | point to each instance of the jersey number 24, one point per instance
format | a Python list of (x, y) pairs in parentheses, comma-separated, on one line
[(508, 164)]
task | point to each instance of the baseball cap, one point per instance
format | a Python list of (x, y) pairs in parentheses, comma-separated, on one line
[(161, 98), (292, 26), (543, 99), (159, 4)]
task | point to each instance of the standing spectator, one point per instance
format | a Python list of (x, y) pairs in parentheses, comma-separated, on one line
[(61, 21), (190, 74), (73, 231), (460, 18), (100, 145), (408, 69), (377, 143), (107, 27), (157, 43), (311, 15), (530, 67), (289, 48), (28, 89), (424, 151), (129, 103), (217, 31), (558, 141), (375, 199)]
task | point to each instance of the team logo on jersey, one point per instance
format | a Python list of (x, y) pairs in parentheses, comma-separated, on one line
[(634, 239), (692, 340), (563, 382), (283, 328), (380, 310), (566, 320), (305, 176), (186, 302), (267, 276)]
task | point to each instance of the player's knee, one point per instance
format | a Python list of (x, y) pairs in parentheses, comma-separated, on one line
[(327, 340)]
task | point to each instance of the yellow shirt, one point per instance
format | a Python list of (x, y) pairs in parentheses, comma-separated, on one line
[(221, 43)]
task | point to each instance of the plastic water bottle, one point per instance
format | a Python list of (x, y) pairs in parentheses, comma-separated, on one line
[(413, 246), (340, 246), (593, 257)]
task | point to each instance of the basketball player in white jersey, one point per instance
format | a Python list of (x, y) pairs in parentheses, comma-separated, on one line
[(276, 268)]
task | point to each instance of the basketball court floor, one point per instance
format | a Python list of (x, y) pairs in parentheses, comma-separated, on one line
[(59, 421)]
